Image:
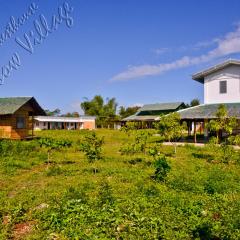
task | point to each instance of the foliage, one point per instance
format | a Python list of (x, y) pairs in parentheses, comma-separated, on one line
[(125, 112), (91, 145), (55, 112), (69, 114), (52, 144), (193, 103), (223, 152), (105, 112), (162, 168), (138, 144), (196, 200), (129, 127), (222, 123), (170, 127)]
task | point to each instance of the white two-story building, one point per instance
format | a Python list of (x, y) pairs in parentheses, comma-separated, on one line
[(221, 82), (221, 86)]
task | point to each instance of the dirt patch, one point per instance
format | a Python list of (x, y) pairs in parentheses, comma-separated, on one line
[(21, 230)]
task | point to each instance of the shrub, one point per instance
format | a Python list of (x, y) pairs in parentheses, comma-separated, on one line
[(139, 143), (92, 146), (52, 144), (162, 168), (105, 194)]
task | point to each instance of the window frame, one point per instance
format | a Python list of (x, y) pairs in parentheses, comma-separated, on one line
[(23, 122), (223, 88)]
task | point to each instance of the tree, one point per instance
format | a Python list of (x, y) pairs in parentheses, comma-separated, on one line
[(73, 114), (125, 112), (55, 112), (105, 112), (92, 147), (170, 128), (223, 122), (195, 102)]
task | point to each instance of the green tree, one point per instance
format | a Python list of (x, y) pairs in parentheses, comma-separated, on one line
[(170, 128), (105, 112), (162, 168), (222, 123), (195, 102), (125, 112), (92, 147), (69, 114), (55, 112)]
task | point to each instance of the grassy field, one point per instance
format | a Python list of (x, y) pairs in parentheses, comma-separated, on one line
[(115, 197)]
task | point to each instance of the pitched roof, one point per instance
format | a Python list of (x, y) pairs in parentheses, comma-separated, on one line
[(161, 106), (151, 112), (140, 118), (208, 111), (199, 76), (10, 105)]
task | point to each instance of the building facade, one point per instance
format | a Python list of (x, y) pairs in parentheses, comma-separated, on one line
[(221, 86), (69, 123), (17, 117), (221, 82)]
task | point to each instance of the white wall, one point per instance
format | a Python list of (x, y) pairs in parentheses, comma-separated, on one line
[(230, 74), (40, 126)]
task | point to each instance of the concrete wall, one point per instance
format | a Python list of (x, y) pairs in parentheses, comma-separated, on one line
[(212, 93), (88, 124)]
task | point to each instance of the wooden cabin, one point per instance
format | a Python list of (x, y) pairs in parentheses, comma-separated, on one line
[(17, 117)]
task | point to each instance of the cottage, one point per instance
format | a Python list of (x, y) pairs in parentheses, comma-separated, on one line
[(17, 116), (221, 86), (70, 123), (149, 113)]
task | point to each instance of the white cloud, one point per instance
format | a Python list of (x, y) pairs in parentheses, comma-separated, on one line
[(227, 45)]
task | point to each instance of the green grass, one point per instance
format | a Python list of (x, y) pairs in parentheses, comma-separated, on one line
[(116, 197)]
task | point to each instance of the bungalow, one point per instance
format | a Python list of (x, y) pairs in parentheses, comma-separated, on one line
[(221, 86), (70, 123), (17, 116), (149, 113)]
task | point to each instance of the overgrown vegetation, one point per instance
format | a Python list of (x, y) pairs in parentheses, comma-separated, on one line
[(150, 194)]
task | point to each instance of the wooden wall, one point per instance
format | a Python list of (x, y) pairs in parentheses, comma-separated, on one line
[(8, 124)]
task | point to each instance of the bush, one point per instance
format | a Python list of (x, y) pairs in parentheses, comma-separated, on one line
[(92, 147), (162, 168)]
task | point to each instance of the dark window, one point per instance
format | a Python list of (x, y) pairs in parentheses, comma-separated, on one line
[(223, 86), (20, 122)]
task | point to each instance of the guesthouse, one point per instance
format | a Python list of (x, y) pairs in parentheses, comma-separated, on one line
[(17, 117), (221, 85), (69, 123)]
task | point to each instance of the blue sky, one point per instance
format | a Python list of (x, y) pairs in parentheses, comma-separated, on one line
[(139, 51)]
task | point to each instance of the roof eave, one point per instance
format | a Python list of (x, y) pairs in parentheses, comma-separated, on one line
[(198, 78)]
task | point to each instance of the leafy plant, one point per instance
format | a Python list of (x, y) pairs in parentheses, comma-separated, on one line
[(162, 168), (170, 127), (138, 144), (222, 123), (52, 144), (91, 145)]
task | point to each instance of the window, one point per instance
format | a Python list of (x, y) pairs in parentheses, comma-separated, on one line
[(20, 122), (223, 86)]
